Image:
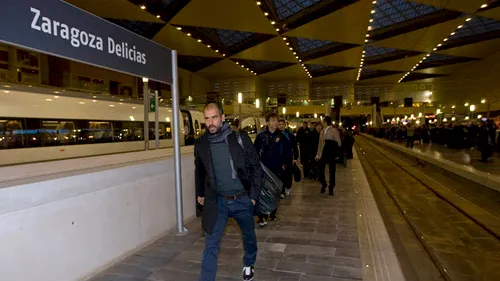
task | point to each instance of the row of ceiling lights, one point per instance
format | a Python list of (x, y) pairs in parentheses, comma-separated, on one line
[(433, 50), (287, 42), (143, 7), (216, 50), (485, 5), (366, 41)]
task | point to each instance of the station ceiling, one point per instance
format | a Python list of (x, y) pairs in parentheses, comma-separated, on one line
[(328, 41)]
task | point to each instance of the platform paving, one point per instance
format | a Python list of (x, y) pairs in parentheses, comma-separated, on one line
[(314, 239)]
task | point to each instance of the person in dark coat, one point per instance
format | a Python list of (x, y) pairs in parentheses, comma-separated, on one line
[(287, 184), (303, 139), (275, 153), (228, 180)]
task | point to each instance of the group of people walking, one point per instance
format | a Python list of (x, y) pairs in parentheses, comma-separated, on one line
[(228, 177)]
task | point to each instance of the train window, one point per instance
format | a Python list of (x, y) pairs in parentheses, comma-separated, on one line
[(54, 132), (132, 131), (197, 127), (12, 133), (168, 130)]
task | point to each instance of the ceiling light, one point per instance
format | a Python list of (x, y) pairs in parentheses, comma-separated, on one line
[(287, 43), (81, 102), (453, 33), (445, 39), (237, 63), (189, 34), (48, 99), (284, 38), (367, 35), (460, 26), (439, 45), (56, 97), (111, 105), (371, 20), (143, 7), (468, 19), (258, 3), (300, 60), (158, 16), (208, 46), (294, 53), (277, 29), (179, 28), (484, 6), (435, 49), (223, 55), (6, 92), (273, 22), (373, 11), (266, 14), (216, 51), (374, 2), (291, 49), (199, 40), (94, 101)]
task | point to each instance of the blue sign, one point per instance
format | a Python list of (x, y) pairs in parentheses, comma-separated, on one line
[(60, 29)]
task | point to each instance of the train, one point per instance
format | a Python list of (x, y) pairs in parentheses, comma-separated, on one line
[(42, 124)]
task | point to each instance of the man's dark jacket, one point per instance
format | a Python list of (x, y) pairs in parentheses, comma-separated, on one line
[(247, 165)]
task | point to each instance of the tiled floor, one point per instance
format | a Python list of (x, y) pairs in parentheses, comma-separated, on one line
[(314, 239), (468, 157)]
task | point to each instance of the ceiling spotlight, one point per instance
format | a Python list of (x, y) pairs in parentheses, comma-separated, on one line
[(223, 55), (371, 20), (208, 46), (179, 28), (460, 26), (237, 63), (277, 29), (435, 49), (266, 14), (373, 11), (445, 39), (291, 48), (367, 35), (484, 6), (158, 16), (189, 34), (366, 41), (143, 7), (258, 3), (439, 45), (199, 40), (284, 38), (273, 22), (216, 51), (453, 33), (468, 19)]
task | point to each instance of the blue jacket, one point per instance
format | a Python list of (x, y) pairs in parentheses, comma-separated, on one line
[(274, 150)]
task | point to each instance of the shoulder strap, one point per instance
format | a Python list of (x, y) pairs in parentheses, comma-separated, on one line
[(240, 141)]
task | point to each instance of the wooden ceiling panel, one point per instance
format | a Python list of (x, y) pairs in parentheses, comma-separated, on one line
[(225, 68), (447, 69), (115, 9), (402, 65), (291, 72), (349, 58), (345, 76), (492, 14), (435, 34), (176, 40), (477, 50), (347, 25), (272, 50), (391, 79), (240, 15)]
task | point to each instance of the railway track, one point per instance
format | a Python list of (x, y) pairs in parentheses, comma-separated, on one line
[(453, 231)]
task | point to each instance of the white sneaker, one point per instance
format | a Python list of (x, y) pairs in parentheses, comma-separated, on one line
[(247, 273), (287, 191)]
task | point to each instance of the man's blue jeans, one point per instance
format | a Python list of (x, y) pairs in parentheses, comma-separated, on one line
[(241, 210)]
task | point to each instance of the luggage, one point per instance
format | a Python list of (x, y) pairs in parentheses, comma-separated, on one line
[(270, 190)]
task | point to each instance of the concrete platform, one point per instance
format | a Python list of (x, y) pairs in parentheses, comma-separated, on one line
[(466, 157), (316, 238)]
